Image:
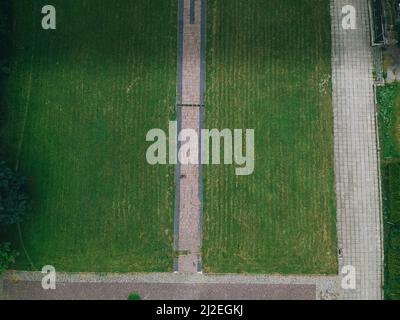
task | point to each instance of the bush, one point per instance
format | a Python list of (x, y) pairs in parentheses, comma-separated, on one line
[(14, 201), (7, 256), (134, 296)]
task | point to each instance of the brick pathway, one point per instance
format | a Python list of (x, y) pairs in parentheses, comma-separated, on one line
[(357, 175), (188, 214)]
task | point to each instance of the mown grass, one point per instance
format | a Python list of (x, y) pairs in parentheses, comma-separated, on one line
[(80, 100), (389, 120), (389, 128), (391, 196), (268, 69)]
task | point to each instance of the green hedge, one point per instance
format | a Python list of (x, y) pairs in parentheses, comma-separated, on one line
[(391, 193)]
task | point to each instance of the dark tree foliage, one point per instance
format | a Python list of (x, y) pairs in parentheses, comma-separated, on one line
[(14, 201), (134, 296), (7, 256)]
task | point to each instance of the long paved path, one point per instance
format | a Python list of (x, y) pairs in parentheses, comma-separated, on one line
[(190, 104), (356, 155), (161, 286)]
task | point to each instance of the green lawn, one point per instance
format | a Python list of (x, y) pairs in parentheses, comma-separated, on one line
[(268, 69), (80, 101), (389, 121), (389, 129), (391, 196)]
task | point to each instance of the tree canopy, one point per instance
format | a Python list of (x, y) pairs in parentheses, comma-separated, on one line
[(7, 256), (14, 201)]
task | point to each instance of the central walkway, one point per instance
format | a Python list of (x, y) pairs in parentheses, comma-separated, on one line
[(190, 104)]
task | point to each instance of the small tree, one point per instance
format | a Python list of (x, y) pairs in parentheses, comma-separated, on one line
[(7, 256), (134, 296), (14, 201)]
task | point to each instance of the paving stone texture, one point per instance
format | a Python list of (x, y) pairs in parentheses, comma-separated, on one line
[(166, 286), (356, 153), (189, 206)]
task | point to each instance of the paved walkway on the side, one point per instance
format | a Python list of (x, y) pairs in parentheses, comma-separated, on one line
[(190, 101), (356, 155), (167, 286)]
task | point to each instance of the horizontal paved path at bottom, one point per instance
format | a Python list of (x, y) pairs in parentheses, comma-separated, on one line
[(167, 286), (27, 290)]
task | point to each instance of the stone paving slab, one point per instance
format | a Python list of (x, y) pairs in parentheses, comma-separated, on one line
[(190, 203), (191, 60), (160, 286), (356, 155), (189, 206), (28, 290)]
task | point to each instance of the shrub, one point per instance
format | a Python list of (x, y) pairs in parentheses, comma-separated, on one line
[(7, 256), (14, 201), (134, 296)]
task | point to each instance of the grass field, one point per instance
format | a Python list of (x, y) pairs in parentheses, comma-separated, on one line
[(391, 192), (80, 100), (389, 129), (268, 69), (389, 121)]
